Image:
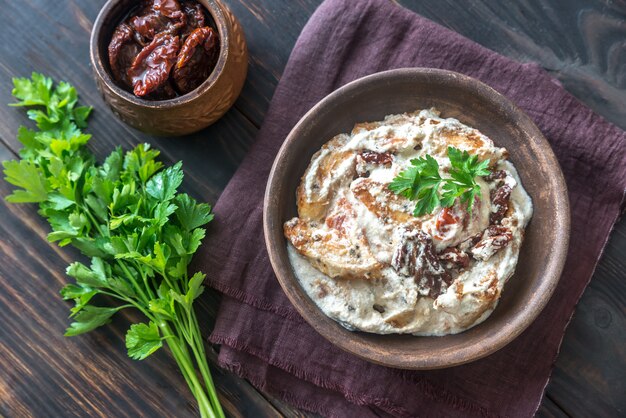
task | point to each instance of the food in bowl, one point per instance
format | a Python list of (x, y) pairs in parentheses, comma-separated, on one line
[(164, 48), (410, 225)]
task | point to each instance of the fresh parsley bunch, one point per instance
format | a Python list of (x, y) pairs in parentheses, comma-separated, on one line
[(127, 216), (421, 181)]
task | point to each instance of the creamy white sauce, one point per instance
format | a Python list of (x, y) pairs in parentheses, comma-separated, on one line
[(393, 303)]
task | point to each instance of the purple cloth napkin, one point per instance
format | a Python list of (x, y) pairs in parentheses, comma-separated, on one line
[(263, 338)]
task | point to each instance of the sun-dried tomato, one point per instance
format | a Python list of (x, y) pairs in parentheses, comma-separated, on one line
[(194, 14), (152, 66), (157, 16), (415, 257), (382, 158), (367, 161), (163, 92), (196, 59), (493, 239), (496, 175), (122, 52), (499, 203), (446, 219), (168, 8), (453, 258)]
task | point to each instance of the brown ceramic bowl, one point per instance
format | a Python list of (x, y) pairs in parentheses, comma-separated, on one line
[(184, 114), (475, 104)]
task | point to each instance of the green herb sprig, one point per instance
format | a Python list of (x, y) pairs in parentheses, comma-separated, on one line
[(422, 182), (128, 217)]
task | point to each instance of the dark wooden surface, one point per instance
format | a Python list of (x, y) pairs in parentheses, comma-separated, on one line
[(43, 374)]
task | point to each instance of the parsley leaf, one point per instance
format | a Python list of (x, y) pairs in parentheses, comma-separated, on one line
[(34, 91), (464, 170), (406, 182), (162, 186), (191, 214), (421, 181), (26, 175), (143, 340), (89, 318)]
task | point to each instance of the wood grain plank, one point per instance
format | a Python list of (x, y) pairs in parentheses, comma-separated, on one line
[(549, 409), (590, 374), (581, 42), (271, 28)]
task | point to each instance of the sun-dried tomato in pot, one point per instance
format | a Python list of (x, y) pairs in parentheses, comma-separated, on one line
[(152, 66), (157, 16), (142, 48), (194, 13), (163, 92), (196, 59), (168, 8), (122, 52)]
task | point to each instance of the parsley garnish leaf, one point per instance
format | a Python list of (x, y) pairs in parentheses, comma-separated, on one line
[(421, 181)]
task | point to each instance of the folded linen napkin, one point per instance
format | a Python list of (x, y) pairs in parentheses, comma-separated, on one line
[(264, 339)]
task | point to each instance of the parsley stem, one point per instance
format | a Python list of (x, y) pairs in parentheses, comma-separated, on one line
[(133, 282), (200, 354), (131, 302), (181, 355), (144, 278)]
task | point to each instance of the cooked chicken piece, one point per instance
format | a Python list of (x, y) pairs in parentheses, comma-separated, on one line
[(473, 299), (330, 168), (390, 120), (337, 248), (464, 138), (383, 203), (395, 134)]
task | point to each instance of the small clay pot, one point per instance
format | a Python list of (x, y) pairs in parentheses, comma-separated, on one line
[(184, 114)]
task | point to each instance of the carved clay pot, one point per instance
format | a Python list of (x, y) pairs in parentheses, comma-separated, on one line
[(184, 114)]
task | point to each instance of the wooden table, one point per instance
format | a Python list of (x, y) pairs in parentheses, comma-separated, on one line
[(43, 374)]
